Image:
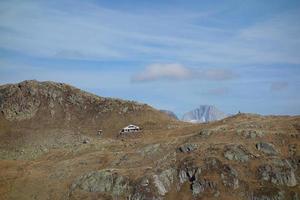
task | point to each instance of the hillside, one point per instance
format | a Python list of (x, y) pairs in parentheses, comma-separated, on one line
[(50, 150), (37, 113), (170, 113)]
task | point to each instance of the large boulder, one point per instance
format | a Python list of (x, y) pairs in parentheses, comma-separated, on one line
[(236, 152), (188, 147), (266, 148)]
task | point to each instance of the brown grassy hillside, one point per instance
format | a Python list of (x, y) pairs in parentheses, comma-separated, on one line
[(50, 150)]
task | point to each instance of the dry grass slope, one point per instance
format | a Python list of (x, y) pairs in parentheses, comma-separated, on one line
[(49, 150)]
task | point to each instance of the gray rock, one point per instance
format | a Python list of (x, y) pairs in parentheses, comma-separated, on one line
[(205, 133), (199, 187), (164, 180), (229, 177), (266, 148), (278, 175), (143, 190), (235, 152), (250, 133), (188, 171), (103, 181), (187, 148)]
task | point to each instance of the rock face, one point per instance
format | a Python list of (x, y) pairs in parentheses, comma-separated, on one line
[(103, 181), (24, 103), (266, 148), (282, 174), (170, 114), (164, 181), (204, 113), (236, 152)]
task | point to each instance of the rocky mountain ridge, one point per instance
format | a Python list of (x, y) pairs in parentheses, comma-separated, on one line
[(204, 113)]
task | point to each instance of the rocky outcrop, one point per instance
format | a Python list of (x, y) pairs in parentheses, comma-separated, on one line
[(266, 148), (144, 190), (250, 133), (164, 180), (188, 147), (230, 177), (278, 173), (199, 187), (188, 171), (103, 181), (236, 152), (19, 102), (205, 133)]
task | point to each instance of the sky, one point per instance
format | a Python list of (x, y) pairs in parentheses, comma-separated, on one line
[(171, 54)]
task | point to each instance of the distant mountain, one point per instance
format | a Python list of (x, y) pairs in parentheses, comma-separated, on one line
[(170, 113), (204, 113)]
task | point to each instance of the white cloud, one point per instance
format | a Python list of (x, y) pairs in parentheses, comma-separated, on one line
[(175, 71), (163, 71)]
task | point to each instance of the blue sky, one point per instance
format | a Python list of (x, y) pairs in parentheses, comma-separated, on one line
[(176, 55)]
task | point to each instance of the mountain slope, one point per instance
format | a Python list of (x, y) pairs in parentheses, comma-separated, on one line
[(170, 113), (35, 110), (204, 113), (60, 156)]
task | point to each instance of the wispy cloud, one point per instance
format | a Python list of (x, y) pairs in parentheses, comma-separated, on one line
[(175, 71), (89, 31)]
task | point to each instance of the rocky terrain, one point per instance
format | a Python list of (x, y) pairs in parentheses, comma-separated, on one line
[(204, 113), (50, 148)]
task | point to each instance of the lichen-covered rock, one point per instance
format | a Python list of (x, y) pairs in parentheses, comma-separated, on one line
[(278, 175), (185, 148), (103, 181), (188, 171), (144, 190), (250, 133), (19, 102), (200, 186), (205, 133), (266, 148), (164, 180), (230, 177), (236, 152)]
